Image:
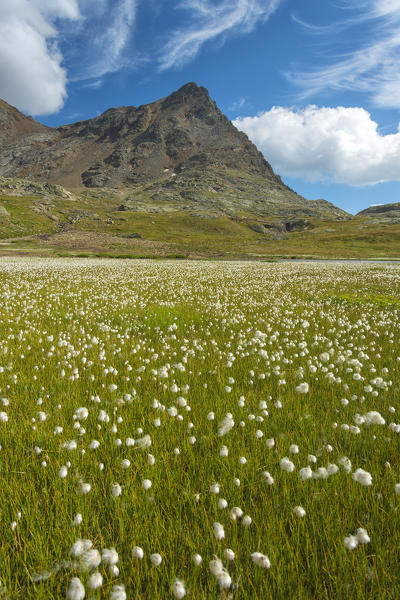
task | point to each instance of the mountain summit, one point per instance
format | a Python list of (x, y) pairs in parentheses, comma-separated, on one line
[(179, 147)]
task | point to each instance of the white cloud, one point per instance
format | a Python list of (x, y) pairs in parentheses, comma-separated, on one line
[(31, 73), (373, 66), (210, 21), (337, 144)]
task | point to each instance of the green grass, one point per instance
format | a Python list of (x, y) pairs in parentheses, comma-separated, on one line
[(65, 322)]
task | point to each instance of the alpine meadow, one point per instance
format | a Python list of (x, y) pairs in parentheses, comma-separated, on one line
[(199, 429)]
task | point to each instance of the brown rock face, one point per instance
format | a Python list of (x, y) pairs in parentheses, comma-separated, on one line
[(178, 149), (14, 125), (127, 145)]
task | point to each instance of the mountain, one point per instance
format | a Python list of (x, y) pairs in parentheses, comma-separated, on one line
[(382, 213), (180, 150), (15, 126)]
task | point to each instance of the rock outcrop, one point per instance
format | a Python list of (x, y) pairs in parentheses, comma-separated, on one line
[(382, 213)]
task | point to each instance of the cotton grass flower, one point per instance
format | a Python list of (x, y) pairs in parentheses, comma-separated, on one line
[(223, 451), (137, 552), (286, 465), (90, 559), (268, 477), (362, 536), (146, 484), (109, 556), (76, 590), (178, 589), (219, 531), (220, 573), (197, 559), (155, 559), (63, 472), (261, 560), (77, 520), (374, 418), (229, 554), (116, 490), (351, 541), (362, 477), (305, 473), (246, 521), (226, 425), (302, 388), (236, 513), (79, 547), (118, 593), (299, 511), (95, 581)]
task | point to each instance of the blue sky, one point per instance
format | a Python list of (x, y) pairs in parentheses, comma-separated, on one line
[(314, 83)]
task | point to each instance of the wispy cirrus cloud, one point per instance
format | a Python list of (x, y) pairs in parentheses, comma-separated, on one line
[(372, 66), (112, 30), (210, 21)]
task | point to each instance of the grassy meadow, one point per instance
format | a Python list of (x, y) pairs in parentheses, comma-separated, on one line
[(238, 422)]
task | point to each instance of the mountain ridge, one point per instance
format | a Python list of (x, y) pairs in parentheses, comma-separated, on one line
[(180, 148)]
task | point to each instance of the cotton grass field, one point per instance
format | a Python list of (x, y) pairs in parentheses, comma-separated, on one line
[(200, 430)]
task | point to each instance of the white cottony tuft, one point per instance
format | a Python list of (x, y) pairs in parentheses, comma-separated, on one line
[(374, 418), (95, 581), (77, 520), (302, 388), (178, 589), (137, 552), (90, 559), (109, 556), (299, 511), (155, 559), (226, 425), (229, 554), (268, 477), (118, 593), (219, 531), (261, 560), (350, 542), (362, 536), (362, 477), (76, 590), (197, 559), (79, 547), (116, 490), (286, 465), (305, 473)]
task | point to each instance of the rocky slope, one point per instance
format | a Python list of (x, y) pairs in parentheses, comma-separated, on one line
[(382, 213), (180, 150)]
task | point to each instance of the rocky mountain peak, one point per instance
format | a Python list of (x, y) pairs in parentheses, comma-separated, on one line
[(181, 145)]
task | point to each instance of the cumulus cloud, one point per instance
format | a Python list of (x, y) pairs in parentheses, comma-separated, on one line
[(31, 73), (372, 66), (209, 21), (340, 144)]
